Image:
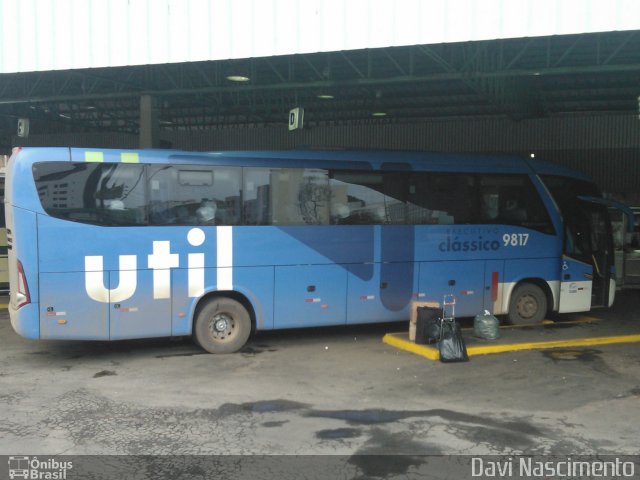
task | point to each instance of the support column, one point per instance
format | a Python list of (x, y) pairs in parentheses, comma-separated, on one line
[(149, 126)]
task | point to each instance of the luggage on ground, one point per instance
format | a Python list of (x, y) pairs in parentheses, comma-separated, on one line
[(451, 346), (427, 325), (486, 326)]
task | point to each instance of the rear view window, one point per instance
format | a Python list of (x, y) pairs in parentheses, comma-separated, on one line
[(101, 193), (125, 194)]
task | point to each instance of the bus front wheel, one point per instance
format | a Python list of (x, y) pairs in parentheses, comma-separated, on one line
[(528, 305), (222, 325)]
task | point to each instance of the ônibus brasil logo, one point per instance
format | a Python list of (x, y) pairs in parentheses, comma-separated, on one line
[(32, 468)]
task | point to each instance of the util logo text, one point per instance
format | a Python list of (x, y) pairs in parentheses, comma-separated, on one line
[(161, 261)]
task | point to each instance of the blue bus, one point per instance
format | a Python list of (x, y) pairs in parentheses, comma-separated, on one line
[(120, 244)]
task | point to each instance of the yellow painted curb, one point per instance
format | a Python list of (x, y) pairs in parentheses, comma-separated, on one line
[(431, 352), (426, 351), (548, 323), (4, 305)]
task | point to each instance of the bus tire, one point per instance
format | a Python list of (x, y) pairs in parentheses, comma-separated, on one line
[(528, 305), (222, 325)]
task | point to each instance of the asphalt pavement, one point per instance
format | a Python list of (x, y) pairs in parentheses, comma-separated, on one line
[(320, 391)]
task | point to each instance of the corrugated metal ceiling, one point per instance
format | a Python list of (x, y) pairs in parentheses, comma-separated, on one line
[(541, 77)]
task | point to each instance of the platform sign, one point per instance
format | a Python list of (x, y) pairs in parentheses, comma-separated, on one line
[(296, 118), (23, 127)]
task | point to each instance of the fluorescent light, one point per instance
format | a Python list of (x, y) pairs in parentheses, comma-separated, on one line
[(63, 115), (379, 114), (325, 96), (237, 78)]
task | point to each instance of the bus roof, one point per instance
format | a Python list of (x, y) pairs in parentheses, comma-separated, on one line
[(314, 158)]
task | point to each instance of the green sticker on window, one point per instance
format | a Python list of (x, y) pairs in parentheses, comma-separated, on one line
[(129, 157), (93, 157)]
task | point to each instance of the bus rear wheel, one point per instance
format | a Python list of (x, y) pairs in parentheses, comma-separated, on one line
[(528, 305), (222, 325)]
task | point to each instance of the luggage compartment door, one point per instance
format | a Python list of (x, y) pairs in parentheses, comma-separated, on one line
[(385, 297), (463, 279), (67, 312), (141, 315), (310, 295)]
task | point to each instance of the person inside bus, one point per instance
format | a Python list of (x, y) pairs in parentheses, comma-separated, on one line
[(161, 214), (206, 213), (339, 213), (512, 213), (116, 204)]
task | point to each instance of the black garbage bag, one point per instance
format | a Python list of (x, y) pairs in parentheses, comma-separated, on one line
[(428, 325), (452, 347)]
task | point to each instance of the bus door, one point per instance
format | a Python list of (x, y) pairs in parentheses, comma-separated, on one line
[(587, 260)]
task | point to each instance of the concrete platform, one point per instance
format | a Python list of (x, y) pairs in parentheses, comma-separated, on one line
[(572, 331)]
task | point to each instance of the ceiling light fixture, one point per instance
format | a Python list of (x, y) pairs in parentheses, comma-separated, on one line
[(379, 114), (237, 78), (325, 96)]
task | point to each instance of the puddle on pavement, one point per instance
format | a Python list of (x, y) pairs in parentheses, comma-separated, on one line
[(338, 433), (250, 351), (274, 424), (587, 355), (186, 354), (269, 406)]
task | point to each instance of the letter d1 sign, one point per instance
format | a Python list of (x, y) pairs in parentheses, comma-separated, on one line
[(296, 118), (23, 127)]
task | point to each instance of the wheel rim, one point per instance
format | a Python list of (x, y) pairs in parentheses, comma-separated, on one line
[(222, 326), (527, 306)]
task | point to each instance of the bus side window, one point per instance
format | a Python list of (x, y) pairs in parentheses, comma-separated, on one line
[(512, 200), (162, 210), (194, 195), (300, 196), (286, 196), (67, 190), (120, 196), (442, 198), (256, 196), (224, 201), (364, 198)]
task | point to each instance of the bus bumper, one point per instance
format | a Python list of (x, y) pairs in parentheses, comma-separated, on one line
[(26, 321)]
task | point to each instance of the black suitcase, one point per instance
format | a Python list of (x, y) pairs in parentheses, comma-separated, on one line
[(427, 325)]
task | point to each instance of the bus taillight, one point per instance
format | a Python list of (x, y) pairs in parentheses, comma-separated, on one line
[(22, 295)]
